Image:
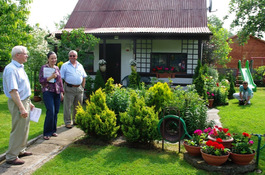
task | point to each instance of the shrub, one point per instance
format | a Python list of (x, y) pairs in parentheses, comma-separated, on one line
[(99, 82), (118, 101), (134, 79), (89, 86), (191, 107), (200, 84), (109, 86), (157, 95), (197, 69), (139, 123), (97, 120)]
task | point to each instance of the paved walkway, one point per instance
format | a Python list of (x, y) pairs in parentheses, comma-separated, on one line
[(44, 150)]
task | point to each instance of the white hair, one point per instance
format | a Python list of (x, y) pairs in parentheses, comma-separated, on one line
[(73, 52), (18, 49)]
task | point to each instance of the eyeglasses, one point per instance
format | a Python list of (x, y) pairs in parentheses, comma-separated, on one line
[(72, 56)]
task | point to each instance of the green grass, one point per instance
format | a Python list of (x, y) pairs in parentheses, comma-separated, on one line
[(250, 119), (35, 128)]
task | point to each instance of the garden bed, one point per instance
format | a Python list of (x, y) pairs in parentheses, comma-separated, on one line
[(226, 169)]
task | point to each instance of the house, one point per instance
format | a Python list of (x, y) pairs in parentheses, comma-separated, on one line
[(253, 51), (165, 33)]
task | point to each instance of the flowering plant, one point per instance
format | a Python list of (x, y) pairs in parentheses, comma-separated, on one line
[(210, 95), (215, 148), (219, 132), (132, 62), (161, 69), (198, 137), (37, 89), (243, 144), (102, 62)]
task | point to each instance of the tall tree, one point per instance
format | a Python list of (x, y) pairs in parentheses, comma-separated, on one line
[(216, 50), (13, 27), (60, 25), (250, 17)]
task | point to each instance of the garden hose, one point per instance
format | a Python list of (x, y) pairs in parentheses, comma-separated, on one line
[(171, 131)]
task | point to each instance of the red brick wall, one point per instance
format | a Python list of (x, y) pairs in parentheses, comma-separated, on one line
[(254, 48)]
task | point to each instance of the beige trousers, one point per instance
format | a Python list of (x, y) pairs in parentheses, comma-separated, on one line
[(20, 130), (72, 96)]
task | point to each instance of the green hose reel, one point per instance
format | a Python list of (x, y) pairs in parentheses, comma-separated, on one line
[(174, 128)]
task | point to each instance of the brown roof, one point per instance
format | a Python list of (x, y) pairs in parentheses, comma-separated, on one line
[(140, 16)]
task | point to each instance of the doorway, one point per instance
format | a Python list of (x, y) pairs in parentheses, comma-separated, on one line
[(113, 58)]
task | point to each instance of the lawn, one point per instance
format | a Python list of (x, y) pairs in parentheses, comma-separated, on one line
[(35, 128)]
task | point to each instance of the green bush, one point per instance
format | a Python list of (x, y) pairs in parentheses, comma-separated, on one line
[(200, 84), (157, 95), (97, 120), (134, 79), (192, 108), (109, 86), (89, 86), (118, 101), (139, 122), (99, 82)]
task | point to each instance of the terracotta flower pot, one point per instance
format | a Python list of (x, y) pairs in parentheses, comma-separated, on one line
[(214, 160), (192, 150), (226, 143), (37, 98), (210, 101), (242, 159)]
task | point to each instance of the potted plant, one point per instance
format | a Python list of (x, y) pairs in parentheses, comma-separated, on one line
[(215, 153), (164, 72), (102, 65), (193, 145), (242, 152), (210, 99), (223, 134), (133, 63), (37, 92)]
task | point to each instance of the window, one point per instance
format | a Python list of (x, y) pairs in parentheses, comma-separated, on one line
[(143, 51), (89, 62), (175, 61)]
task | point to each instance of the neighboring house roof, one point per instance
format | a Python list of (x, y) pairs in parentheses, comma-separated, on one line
[(250, 36), (140, 16)]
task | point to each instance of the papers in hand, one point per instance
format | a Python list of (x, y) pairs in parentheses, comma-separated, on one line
[(35, 114), (47, 72)]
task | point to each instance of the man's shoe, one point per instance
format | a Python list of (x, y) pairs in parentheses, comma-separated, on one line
[(69, 126), (25, 154), (17, 161)]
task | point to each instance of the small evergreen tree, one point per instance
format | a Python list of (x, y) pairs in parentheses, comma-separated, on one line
[(199, 83), (89, 86), (97, 120), (232, 87), (197, 69), (99, 82), (134, 79), (109, 86), (139, 122)]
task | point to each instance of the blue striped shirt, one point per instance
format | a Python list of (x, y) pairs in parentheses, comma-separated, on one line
[(15, 77), (73, 75)]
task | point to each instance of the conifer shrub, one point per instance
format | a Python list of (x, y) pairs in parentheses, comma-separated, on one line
[(98, 82), (232, 87), (200, 84), (158, 95), (139, 122), (97, 120), (134, 79), (109, 86), (89, 86)]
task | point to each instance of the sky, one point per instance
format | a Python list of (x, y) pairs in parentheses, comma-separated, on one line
[(48, 12)]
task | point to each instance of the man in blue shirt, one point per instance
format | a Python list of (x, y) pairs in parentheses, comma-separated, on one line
[(74, 77), (17, 89), (245, 93)]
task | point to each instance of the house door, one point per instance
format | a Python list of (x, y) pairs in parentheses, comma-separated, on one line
[(113, 58)]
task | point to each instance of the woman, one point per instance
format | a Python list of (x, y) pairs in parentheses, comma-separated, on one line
[(52, 88)]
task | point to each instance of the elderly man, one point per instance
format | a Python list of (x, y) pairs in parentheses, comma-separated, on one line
[(17, 89), (245, 93), (74, 77)]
